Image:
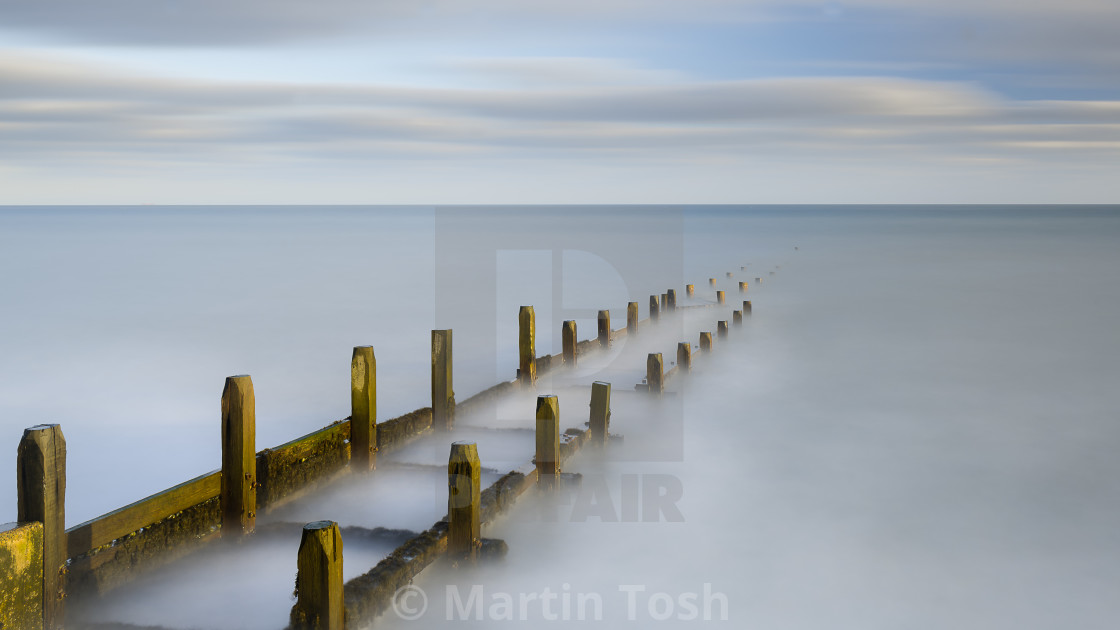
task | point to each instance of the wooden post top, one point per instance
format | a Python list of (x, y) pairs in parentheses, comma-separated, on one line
[(548, 406)]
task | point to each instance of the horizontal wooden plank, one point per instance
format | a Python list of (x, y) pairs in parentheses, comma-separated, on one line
[(308, 444), (130, 518)]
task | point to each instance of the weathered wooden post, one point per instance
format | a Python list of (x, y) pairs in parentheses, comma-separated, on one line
[(728, 274), (690, 290), (21, 581), (319, 604), (742, 287), (600, 411), (705, 342), (712, 281), (737, 318), (604, 329), (720, 297), (671, 304), (548, 438), (443, 395), (527, 346), (746, 307), (568, 334), (41, 496), (684, 357), (654, 308), (721, 329), (655, 374), (758, 280), (664, 302), (464, 493), (239, 458), (631, 318), (363, 409)]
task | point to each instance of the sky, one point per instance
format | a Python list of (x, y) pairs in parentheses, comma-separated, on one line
[(581, 101)]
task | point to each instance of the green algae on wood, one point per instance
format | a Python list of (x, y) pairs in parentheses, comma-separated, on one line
[(21, 576)]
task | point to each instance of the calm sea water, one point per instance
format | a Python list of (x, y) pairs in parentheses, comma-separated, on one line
[(919, 427)]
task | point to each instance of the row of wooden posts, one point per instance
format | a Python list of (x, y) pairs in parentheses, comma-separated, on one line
[(41, 455), (319, 579)]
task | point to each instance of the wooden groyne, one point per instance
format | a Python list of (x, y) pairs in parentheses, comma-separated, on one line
[(52, 568)]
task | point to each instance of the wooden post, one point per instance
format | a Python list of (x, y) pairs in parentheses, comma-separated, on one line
[(672, 303), (548, 437), (319, 604), (443, 394), (746, 307), (464, 493), (720, 297), (758, 280), (527, 345), (568, 332), (712, 281), (690, 290), (631, 318), (742, 287), (604, 329), (655, 374), (684, 357), (363, 409), (736, 318), (721, 329), (239, 458), (41, 496), (600, 411), (728, 274), (654, 308), (21, 575), (705, 342), (664, 302)]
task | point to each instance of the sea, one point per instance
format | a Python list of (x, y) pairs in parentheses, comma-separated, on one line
[(917, 426)]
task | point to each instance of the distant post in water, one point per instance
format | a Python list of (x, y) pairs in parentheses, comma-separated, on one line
[(527, 345), (684, 357), (464, 494), (671, 304), (655, 373), (721, 329), (654, 308), (742, 287), (631, 318), (712, 281), (568, 335), (363, 409), (746, 307), (604, 329), (720, 297), (705, 342), (600, 411), (728, 274), (239, 457), (737, 318), (319, 604), (548, 437), (664, 302), (41, 496), (443, 395), (758, 280), (690, 290)]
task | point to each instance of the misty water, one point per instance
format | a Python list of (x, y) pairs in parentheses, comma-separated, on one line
[(917, 427)]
